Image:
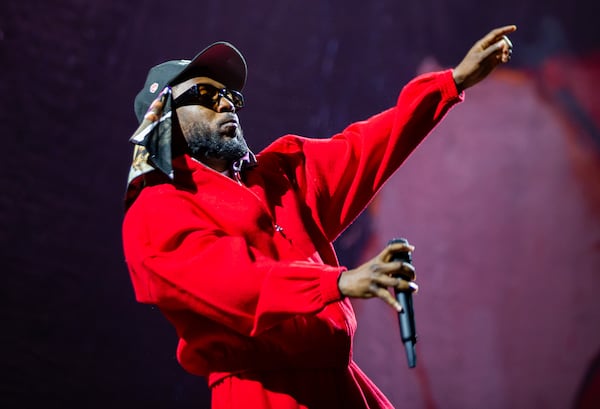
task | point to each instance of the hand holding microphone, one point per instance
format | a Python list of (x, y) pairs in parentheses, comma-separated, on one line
[(389, 269)]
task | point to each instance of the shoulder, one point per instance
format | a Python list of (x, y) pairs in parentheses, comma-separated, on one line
[(291, 149), (159, 201), (287, 144)]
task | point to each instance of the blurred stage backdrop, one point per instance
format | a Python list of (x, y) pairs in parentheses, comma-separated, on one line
[(502, 201)]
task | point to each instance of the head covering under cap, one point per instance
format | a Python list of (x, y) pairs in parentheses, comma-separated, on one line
[(220, 61)]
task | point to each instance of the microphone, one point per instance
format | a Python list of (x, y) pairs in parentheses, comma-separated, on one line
[(406, 317)]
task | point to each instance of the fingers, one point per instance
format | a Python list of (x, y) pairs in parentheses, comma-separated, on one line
[(394, 268), (497, 42), (496, 48), (392, 250), (396, 283), (380, 290), (377, 276), (397, 268), (506, 50), (495, 35), (407, 271), (381, 283), (386, 296), (502, 50), (388, 252)]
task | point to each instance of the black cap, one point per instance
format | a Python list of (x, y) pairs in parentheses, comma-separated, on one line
[(220, 61)]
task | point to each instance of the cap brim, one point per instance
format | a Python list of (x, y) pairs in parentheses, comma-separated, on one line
[(220, 61)]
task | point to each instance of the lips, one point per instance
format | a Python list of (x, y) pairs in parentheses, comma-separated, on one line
[(229, 126), (230, 120)]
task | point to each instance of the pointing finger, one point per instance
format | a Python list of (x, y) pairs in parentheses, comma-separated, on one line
[(494, 35)]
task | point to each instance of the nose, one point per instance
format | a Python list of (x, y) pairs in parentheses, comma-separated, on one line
[(225, 105)]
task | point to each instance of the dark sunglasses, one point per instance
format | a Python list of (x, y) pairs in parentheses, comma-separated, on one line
[(209, 96)]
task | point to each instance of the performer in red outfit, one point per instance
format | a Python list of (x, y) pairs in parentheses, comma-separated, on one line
[(235, 249)]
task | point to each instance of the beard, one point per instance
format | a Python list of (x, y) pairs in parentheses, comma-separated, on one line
[(205, 142)]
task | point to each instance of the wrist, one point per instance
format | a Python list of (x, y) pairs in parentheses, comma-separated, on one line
[(339, 279), (458, 81)]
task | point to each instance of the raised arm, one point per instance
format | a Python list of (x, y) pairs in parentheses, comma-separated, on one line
[(342, 174)]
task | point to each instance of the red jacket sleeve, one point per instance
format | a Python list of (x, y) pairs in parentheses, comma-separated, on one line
[(341, 175), (179, 260)]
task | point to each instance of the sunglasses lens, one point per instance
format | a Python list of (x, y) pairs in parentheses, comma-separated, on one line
[(235, 97), (208, 96)]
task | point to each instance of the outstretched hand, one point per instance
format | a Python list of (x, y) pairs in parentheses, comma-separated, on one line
[(485, 55), (375, 277)]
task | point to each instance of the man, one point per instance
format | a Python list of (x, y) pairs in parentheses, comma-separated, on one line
[(236, 250)]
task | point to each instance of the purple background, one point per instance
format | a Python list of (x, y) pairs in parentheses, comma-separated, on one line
[(502, 202)]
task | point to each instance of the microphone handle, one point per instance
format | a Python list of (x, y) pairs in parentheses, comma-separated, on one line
[(406, 318)]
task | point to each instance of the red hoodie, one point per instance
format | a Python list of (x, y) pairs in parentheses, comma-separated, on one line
[(246, 272)]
